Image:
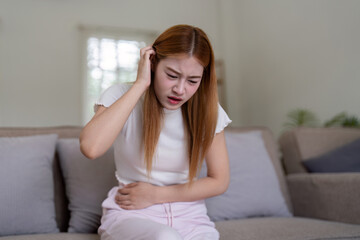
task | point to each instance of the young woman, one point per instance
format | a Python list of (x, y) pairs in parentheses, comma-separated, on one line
[(162, 128)]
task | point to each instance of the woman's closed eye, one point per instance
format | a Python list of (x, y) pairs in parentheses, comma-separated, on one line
[(171, 76), (193, 82)]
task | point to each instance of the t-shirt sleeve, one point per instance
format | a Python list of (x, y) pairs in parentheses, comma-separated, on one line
[(222, 121), (110, 95)]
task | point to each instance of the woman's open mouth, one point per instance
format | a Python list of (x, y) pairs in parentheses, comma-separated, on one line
[(174, 100)]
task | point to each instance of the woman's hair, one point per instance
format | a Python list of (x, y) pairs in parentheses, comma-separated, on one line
[(199, 112)]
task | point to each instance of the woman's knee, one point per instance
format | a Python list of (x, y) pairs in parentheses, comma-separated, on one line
[(167, 233)]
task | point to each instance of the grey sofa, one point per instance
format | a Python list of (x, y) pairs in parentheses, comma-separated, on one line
[(328, 196), (320, 211)]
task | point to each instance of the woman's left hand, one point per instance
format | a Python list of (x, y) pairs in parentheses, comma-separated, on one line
[(136, 195)]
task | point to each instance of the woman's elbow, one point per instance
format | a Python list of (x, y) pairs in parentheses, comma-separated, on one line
[(224, 185), (88, 151)]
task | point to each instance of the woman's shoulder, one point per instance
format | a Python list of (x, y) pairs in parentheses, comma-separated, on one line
[(223, 119), (120, 88), (112, 93)]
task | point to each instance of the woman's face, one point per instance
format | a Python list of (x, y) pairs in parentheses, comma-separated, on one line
[(176, 80)]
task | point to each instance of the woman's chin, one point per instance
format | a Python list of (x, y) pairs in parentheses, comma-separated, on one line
[(170, 106)]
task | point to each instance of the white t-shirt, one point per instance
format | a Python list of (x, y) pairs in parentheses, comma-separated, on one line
[(170, 163)]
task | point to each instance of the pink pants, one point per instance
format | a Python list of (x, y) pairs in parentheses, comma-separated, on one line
[(169, 221)]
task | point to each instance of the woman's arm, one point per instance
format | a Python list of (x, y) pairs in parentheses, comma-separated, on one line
[(140, 195), (100, 133)]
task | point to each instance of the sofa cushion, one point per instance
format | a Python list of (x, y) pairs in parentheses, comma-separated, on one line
[(294, 228), (328, 196), (254, 188), (87, 183), (343, 159), (61, 202), (304, 143), (26, 185), (56, 236)]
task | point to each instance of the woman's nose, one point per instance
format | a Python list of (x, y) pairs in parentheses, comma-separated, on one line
[(179, 88)]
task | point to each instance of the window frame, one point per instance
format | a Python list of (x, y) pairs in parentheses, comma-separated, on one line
[(116, 33)]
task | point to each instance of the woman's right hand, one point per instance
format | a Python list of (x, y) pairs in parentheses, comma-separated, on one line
[(144, 68)]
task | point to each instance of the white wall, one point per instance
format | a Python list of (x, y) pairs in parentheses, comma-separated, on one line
[(1, 71), (279, 54), (289, 54), (40, 76)]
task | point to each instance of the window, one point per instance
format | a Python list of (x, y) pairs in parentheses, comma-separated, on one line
[(110, 56)]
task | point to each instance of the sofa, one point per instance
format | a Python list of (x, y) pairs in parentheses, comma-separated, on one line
[(271, 198), (326, 194)]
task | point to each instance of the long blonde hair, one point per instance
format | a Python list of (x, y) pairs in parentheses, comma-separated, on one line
[(199, 112)]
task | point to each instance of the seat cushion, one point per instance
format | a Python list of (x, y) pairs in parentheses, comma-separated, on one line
[(58, 236), (292, 228)]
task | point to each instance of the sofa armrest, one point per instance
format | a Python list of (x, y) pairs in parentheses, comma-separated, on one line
[(328, 196)]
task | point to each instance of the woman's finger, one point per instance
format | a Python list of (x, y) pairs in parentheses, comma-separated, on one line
[(144, 50), (144, 67), (124, 191), (123, 198), (130, 185), (125, 203), (129, 207), (118, 197), (146, 56)]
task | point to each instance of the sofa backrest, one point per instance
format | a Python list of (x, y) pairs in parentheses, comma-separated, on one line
[(273, 151), (61, 202), (302, 143)]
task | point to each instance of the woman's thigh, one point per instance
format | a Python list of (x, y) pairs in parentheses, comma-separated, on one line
[(138, 229), (190, 219)]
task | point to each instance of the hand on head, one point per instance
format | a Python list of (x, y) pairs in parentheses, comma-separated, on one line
[(144, 68)]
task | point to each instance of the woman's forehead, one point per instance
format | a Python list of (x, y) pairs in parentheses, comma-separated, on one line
[(183, 64)]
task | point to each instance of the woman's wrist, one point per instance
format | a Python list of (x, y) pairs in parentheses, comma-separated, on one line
[(200, 189), (140, 85), (158, 194), (172, 193)]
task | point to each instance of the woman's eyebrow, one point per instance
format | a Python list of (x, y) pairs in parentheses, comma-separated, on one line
[(173, 70)]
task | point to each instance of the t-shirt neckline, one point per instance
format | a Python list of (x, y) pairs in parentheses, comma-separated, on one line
[(166, 111)]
